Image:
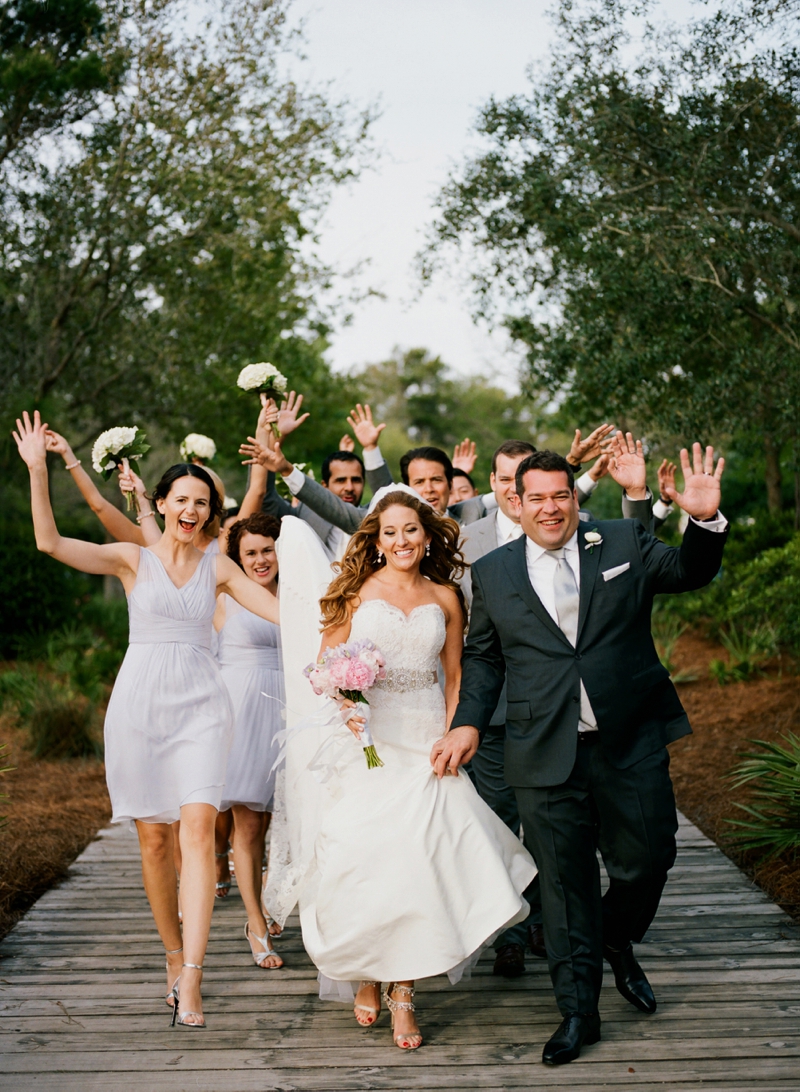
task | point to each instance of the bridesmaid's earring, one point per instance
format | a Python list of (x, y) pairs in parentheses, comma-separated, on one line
[(379, 558), (427, 549)]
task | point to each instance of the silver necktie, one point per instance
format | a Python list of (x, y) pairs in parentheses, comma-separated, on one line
[(567, 597)]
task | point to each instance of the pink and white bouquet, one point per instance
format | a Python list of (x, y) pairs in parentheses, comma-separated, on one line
[(347, 671)]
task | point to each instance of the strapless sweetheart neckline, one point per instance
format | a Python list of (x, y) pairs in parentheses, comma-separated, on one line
[(393, 606)]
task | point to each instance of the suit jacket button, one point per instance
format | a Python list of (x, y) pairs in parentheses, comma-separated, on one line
[(576, 700), (577, 655)]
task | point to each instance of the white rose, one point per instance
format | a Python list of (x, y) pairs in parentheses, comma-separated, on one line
[(109, 443), (593, 536), (203, 447)]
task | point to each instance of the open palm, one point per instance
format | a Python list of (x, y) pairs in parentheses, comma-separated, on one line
[(701, 483)]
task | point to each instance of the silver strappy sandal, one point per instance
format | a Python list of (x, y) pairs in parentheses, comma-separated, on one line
[(375, 1013), (402, 1006), (166, 965), (180, 1017)]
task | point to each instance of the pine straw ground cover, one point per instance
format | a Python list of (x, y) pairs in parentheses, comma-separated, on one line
[(724, 719), (56, 808)]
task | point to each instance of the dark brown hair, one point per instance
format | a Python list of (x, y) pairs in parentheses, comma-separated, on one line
[(190, 470), (550, 461), (513, 449), (444, 565), (257, 524)]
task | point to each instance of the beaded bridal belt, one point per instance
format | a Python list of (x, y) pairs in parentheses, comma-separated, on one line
[(399, 679)]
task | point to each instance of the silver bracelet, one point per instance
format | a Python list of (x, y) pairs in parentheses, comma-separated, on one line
[(146, 514), (73, 465)]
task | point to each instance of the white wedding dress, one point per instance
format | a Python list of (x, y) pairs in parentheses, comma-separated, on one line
[(412, 875)]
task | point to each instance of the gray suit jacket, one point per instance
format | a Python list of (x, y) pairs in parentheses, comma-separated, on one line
[(321, 509)]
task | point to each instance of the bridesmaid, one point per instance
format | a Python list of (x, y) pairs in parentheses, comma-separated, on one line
[(169, 720), (250, 660)]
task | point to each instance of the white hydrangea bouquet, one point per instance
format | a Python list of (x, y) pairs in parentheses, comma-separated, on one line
[(197, 446), (115, 445), (263, 378)]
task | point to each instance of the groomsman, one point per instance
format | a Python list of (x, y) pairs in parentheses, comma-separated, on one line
[(562, 614)]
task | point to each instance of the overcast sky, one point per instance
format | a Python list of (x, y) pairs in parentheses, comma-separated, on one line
[(431, 64)]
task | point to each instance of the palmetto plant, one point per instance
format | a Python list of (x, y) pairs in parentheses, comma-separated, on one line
[(773, 825), (747, 651), (667, 629)]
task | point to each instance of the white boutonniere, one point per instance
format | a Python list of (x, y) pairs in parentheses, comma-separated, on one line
[(592, 539)]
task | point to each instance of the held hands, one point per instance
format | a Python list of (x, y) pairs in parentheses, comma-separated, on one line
[(453, 750), (627, 466), (701, 489), (464, 455), (595, 444), (31, 440), (366, 431)]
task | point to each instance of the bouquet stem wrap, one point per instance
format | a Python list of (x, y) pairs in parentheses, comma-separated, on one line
[(362, 710)]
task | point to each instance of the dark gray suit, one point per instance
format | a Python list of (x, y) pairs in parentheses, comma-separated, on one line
[(612, 788)]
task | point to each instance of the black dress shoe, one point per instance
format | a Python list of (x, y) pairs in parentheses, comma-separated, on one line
[(576, 1030), (510, 961), (536, 941), (630, 979)]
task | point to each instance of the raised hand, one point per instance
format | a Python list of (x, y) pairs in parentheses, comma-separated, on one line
[(58, 445), (268, 455), (31, 440), (465, 455), (289, 417), (267, 419), (367, 432), (129, 480), (701, 489), (600, 467), (347, 443), (595, 444), (666, 473), (627, 466)]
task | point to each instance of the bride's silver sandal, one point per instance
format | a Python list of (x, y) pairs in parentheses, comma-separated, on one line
[(166, 964), (180, 1017), (402, 1006), (375, 1013), (222, 888)]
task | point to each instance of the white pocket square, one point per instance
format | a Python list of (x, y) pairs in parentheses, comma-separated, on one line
[(609, 574)]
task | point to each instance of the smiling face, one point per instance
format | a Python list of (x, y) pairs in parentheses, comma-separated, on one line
[(186, 508), (346, 480), (430, 481), (503, 483), (549, 508), (259, 558), (461, 489), (402, 538)]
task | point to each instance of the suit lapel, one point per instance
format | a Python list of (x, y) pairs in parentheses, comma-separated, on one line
[(589, 562), (517, 565)]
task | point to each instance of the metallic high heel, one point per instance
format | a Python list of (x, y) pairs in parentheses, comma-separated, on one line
[(180, 1017), (260, 958), (402, 1006), (166, 964), (367, 1008)]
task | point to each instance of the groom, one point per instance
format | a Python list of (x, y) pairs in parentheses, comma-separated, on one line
[(563, 613)]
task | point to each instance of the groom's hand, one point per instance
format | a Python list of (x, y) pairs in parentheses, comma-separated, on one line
[(454, 749)]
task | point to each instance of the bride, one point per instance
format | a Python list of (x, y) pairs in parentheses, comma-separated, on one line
[(412, 874)]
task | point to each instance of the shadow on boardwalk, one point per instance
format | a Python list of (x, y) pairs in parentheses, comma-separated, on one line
[(81, 1008)]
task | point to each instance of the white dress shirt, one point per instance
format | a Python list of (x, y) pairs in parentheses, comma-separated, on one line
[(541, 573), (507, 529)]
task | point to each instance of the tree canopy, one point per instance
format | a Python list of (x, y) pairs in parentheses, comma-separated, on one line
[(638, 224), (164, 241)]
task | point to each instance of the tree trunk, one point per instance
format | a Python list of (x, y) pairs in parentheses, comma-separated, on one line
[(772, 475)]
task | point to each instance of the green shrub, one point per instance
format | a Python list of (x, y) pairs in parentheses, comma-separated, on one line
[(667, 629), (773, 826), (766, 592), (60, 722)]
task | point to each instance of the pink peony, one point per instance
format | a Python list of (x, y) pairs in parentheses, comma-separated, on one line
[(360, 676)]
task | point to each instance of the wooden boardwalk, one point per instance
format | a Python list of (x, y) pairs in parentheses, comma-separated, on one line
[(81, 1002)]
